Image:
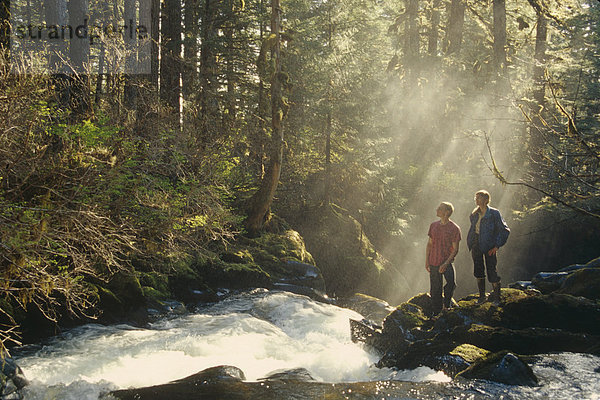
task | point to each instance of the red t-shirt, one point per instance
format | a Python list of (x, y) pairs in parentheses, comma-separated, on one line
[(442, 238)]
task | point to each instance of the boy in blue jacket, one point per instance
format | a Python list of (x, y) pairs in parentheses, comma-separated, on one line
[(488, 232)]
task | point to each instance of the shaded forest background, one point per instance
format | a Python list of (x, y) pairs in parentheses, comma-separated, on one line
[(255, 111)]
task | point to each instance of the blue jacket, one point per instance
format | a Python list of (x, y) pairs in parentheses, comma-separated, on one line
[(493, 231)]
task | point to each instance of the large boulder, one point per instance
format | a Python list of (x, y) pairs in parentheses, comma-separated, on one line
[(403, 319), (503, 367), (187, 388), (523, 341), (548, 282), (345, 255), (295, 374), (264, 261), (527, 322), (577, 280), (521, 309), (556, 311), (582, 282), (12, 379), (371, 308)]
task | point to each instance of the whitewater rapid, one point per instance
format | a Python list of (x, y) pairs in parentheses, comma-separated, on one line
[(261, 332), (258, 332)]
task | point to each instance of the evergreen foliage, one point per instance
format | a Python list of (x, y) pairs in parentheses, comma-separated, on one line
[(389, 106)]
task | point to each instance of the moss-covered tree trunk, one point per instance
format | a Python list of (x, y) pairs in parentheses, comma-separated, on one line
[(262, 199)]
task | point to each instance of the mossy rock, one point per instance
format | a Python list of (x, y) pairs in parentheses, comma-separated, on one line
[(270, 252), (158, 282), (346, 257), (236, 275), (240, 256), (152, 295), (523, 341), (109, 302), (126, 287), (429, 353), (521, 309), (557, 311), (470, 353), (405, 317), (503, 367), (370, 307), (583, 282), (422, 300), (548, 282)]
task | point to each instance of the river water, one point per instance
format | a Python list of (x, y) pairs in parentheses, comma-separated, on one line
[(259, 332)]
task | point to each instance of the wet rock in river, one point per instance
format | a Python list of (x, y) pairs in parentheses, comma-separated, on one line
[(296, 374), (371, 308), (503, 367), (11, 380)]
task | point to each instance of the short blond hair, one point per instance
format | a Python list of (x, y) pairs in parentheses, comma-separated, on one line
[(448, 206)]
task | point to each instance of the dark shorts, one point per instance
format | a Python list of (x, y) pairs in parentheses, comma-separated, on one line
[(483, 262)]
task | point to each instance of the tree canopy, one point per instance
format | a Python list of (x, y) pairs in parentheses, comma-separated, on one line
[(191, 133)]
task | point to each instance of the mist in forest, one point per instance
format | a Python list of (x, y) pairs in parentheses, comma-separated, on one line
[(447, 156)]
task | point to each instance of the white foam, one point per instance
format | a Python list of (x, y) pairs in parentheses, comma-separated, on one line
[(258, 333)]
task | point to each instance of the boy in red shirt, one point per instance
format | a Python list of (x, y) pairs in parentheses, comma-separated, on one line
[(444, 236)]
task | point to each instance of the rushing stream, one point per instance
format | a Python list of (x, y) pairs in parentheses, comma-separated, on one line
[(258, 332)]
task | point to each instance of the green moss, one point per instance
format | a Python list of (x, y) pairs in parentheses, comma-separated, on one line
[(126, 287), (248, 267), (108, 300), (152, 294), (345, 255), (470, 353), (412, 315), (478, 328), (155, 286)]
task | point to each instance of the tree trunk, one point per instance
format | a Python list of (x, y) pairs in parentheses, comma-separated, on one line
[(208, 89), (190, 44), (499, 56), (262, 199), (154, 50), (130, 41), (56, 15), (539, 68), (263, 110), (411, 38), (170, 65), (454, 30), (432, 45), (229, 119), (328, 124), (79, 54), (536, 139), (148, 61)]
